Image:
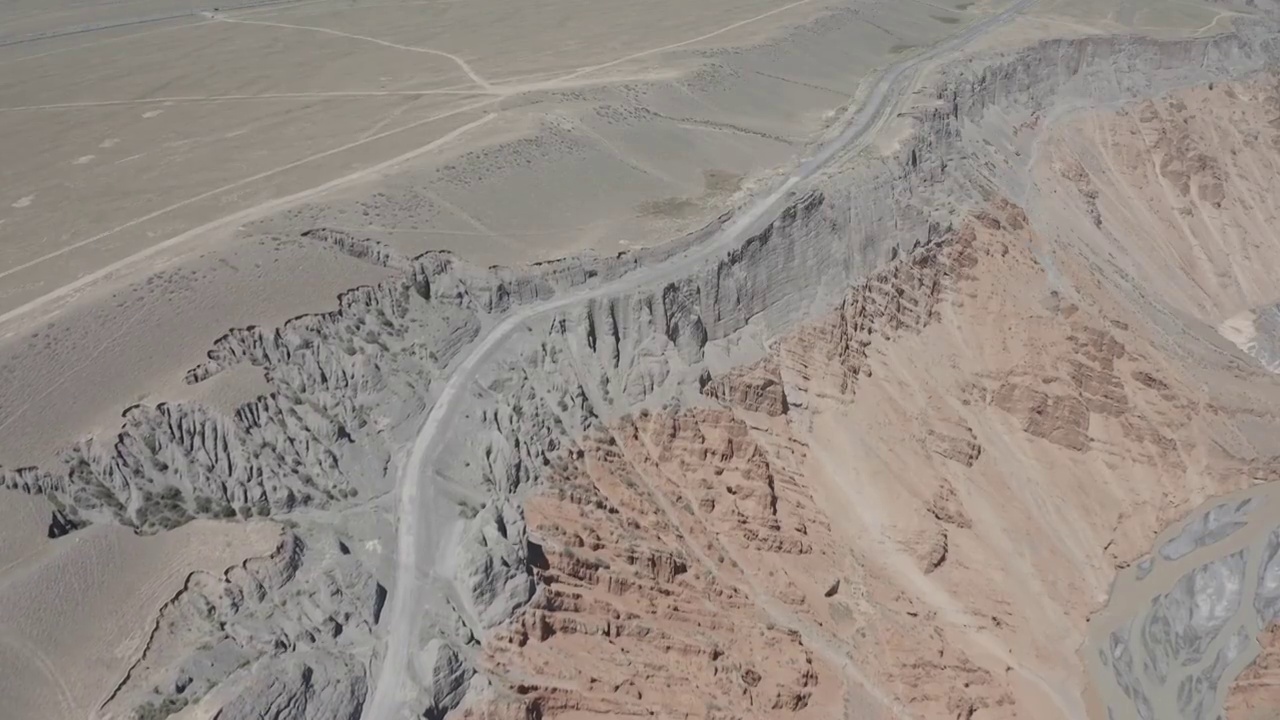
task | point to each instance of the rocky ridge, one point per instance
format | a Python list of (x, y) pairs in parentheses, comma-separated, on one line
[(286, 636), (561, 404)]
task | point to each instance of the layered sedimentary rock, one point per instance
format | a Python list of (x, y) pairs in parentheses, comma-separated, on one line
[(301, 686), (886, 455), (1256, 692)]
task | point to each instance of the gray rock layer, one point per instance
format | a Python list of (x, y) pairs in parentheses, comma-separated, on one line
[(349, 386), (303, 686), (293, 632)]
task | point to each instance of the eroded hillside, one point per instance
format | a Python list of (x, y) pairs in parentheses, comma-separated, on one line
[(929, 490), (883, 459)]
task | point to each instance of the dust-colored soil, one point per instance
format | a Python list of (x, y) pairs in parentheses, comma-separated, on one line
[(76, 612), (1256, 693), (886, 457)]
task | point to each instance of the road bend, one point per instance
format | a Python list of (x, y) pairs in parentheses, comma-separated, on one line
[(427, 529)]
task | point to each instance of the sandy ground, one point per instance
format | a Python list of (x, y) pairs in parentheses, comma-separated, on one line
[(160, 167), (425, 127), (1146, 16), (76, 611), (25, 528), (943, 478)]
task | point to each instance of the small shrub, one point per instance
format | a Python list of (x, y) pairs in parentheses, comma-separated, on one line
[(169, 522), (152, 710)]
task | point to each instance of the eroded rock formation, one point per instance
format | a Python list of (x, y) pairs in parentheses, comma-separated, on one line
[(947, 403)]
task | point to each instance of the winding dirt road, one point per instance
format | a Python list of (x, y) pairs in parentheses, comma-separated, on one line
[(426, 528)]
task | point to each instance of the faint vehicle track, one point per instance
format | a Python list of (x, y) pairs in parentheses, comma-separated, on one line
[(93, 28), (835, 651), (476, 77), (425, 527)]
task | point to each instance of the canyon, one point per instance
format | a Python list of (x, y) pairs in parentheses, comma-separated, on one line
[(968, 414)]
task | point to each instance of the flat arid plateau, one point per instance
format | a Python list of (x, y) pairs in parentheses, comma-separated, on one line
[(719, 359)]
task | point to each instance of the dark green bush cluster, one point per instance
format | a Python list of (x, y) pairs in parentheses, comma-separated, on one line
[(152, 710), (164, 510)]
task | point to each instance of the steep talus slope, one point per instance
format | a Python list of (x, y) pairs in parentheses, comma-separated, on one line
[(884, 457), (1189, 177)]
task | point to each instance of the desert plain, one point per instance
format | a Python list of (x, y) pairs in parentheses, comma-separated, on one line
[(387, 359)]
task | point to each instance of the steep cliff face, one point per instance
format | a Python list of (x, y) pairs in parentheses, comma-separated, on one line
[(886, 455), (960, 453), (641, 604), (1256, 692)]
